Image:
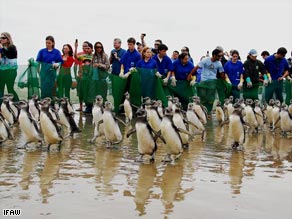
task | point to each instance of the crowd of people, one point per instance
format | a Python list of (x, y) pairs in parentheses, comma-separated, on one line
[(149, 72)]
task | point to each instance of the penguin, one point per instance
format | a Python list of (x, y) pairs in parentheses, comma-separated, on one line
[(97, 112), (236, 128), (290, 108), (69, 106), (153, 116), (269, 113), (66, 118), (13, 106), (30, 131), (160, 109), (285, 120), (7, 112), (146, 142), (175, 100), (169, 101), (180, 122), (200, 110), (226, 102), (250, 117), (229, 106), (195, 122), (170, 133), (34, 107), (276, 115), (5, 132), (52, 109), (49, 127), (111, 127), (127, 108), (219, 113), (259, 115)]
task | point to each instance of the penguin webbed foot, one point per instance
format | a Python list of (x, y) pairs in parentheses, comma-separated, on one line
[(186, 146), (140, 158), (167, 159), (235, 145)]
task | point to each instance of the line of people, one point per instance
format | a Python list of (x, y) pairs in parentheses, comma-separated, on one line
[(149, 72)]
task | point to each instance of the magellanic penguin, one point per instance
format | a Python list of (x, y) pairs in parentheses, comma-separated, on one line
[(49, 127), (276, 115), (34, 107), (97, 112), (229, 106), (220, 113), (7, 112), (250, 116), (153, 116), (285, 120), (66, 118), (127, 108), (5, 132), (236, 128), (194, 121), (175, 100), (160, 109), (29, 129), (200, 110), (52, 110), (111, 127), (169, 101), (170, 133), (269, 113), (146, 142), (13, 105), (259, 115)]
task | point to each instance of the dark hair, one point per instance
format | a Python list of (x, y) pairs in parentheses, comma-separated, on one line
[(188, 50), (282, 51), (265, 53), (102, 49), (182, 56), (216, 52), (160, 41), (70, 49), (175, 51), (131, 40), (162, 47), (234, 52), (51, 38), (90, 45)]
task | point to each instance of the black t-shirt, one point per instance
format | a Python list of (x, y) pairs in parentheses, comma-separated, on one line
[(10, 52)]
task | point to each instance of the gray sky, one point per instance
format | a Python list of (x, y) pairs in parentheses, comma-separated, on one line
[(201, 25)]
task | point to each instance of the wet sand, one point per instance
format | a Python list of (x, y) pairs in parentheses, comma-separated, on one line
[(208, 181)]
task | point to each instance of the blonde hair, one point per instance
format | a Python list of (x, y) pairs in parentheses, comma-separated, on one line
[(9, 39), (144, 51)]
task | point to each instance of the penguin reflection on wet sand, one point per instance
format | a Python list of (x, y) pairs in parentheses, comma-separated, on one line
[(49, 127), (5, 132), (146, 142), (29, 128)]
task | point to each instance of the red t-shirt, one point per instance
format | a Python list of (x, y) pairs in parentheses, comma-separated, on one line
[(69, 62)]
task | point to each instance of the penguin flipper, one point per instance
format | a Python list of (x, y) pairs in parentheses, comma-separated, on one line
[(119, 120), (130, 132), (158, 135), (184, 131), (137, 107), (191, 123)]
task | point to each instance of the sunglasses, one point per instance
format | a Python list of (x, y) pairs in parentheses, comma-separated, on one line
[(98, 47), (3, 38)]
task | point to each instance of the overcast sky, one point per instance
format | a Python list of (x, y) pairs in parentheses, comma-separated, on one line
[(201, 25)]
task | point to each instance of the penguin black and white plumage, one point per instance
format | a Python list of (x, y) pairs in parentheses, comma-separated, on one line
[(250, 117), (97, 112), (153, 116), (219, 113), (69, 106), (66, 118), (195, 122), (276, 115), (111, 127), (49, 127), (200, 110), (269, 112), (229, 106), (290, 108), (128, 108), (7, 112), (175, 100), (170, 133), (285, 119), (169, 101), (160, 109), (180, 122), (30, 131), (5, 132), (259, 115), (236, 128), (53, 111), (13, 105), (146, 142), (34, 107)]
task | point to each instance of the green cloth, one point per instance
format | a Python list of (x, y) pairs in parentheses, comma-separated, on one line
[(48, 76), (7, 77), (235, 92), (288, 89), (147, 80), (223, 89), (135, 88), (251, 93), (274, 87), (206, 91), (64, 81), (161, 91), (183, 91), (118, 90), (84, 84)]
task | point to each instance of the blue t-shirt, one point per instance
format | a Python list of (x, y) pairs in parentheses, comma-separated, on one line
[(234, 71), (181, 71), (50, 57), (276, 67), (130, 59), (209, 68), (164, 66), (151, 64), (116, 64)]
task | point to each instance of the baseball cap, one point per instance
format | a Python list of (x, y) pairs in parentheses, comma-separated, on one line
[(253, 52)]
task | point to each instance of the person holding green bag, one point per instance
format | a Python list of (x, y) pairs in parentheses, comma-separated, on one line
[(64, 79), (50, 59), (8, 65)]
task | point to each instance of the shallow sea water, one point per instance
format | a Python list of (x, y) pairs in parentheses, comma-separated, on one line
[(208, 181)]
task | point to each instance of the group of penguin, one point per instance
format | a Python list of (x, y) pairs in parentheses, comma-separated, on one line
[(47, 122), (249, 116), (40, 121)]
